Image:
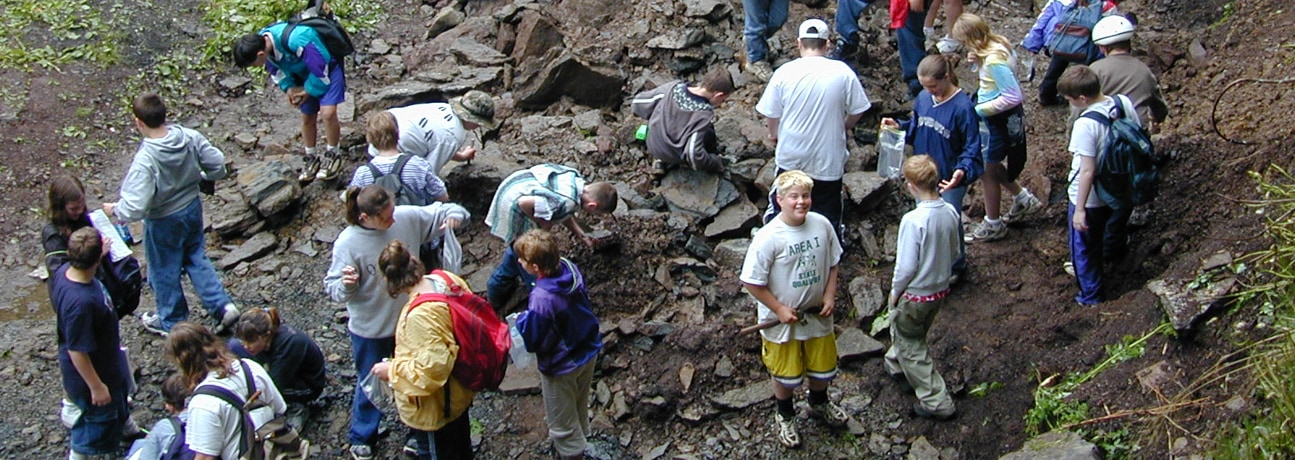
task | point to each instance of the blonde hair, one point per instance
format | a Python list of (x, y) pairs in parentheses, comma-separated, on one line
[(974, 32), (792, 179), (920, 170), (381, 130)]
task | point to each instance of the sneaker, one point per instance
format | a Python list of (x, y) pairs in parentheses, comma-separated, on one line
[(1022, 208), (947, 45), (761, 70), (787, 434), (411, 448), (309, 171), (923, 413), (152, 323), (843, 50), (228, 318), (331, 167), (1069, 267), (829, 413), (361, 452), (986, 232)]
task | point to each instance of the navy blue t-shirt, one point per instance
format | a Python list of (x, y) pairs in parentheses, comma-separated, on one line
[(87, 324)]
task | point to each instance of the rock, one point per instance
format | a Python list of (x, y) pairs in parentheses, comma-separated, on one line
[(853, 342), (430, 84), (1154, 377), (737, 218), (233, 218), (712, 10), (743, 137), (656, 452), (470, 52), (1196, 53), (731, 253), (588, 121), (1237, 404), (868, 297), (677, 39), (255, 247), (1055, 445), (697, 247), (235, 82), (1184, 305), (889, 240), (566, 76), (742, 398), (536, 36), (724, 367), (746, 170), (921, 449), (269, 186), (699, 194), (387, 68), (692, 311), (446, 19), (521, 381), (655, 329), (685, 376), (865, 189), (1218, 259), (378, 47), (619, 407), (246, 140)]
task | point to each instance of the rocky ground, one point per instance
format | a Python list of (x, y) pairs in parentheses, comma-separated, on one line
[(675, 380)]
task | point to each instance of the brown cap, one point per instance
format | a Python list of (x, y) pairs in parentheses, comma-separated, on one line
[(477, 107)]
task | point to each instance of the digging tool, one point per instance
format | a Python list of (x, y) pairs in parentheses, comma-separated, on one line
[(774, 322)]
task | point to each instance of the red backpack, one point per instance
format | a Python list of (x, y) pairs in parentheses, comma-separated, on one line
[(483, 338)]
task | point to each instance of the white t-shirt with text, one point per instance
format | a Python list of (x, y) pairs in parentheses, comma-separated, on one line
[(1087, 139), (793, 262)]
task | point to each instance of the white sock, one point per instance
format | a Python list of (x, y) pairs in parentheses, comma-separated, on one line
[(332, 149), (310, 150), (1025, 193), (993, 222)]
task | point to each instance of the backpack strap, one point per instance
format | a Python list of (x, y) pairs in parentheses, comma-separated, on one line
[(455, 288), (244, 440), (399, 168), (373, 170), (283, 38)]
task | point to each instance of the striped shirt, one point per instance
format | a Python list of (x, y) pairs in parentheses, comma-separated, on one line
[(557, 187)]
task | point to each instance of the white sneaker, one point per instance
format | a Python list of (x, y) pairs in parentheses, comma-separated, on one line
[(986, 232), (1023, 207), (787, 434), (228, 319), (947, 45), (1069, 267)]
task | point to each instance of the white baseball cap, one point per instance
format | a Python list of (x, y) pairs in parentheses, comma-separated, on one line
[(814, 28)]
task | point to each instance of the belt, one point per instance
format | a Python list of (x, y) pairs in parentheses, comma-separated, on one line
[(927, 297)]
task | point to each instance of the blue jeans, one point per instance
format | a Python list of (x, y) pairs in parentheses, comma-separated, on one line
[(176, 244), (912, 49), (364, 415), (954, 197), (847, 18), (98, 430), (1086, 253), (761, 18), (426, 442), (504, 279)]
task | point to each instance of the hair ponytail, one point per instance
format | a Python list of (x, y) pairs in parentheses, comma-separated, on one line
[(402, 269), (370, 200)]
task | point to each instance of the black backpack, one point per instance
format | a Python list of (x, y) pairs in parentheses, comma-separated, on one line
[(178, 449), (1127, 168), (320, 18), (405, 195)]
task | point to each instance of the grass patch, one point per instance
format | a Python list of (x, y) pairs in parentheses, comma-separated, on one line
[(1267, 433), (230, 19), (49, 33)]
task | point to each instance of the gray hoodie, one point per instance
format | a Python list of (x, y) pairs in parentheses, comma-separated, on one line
[(163, 178)]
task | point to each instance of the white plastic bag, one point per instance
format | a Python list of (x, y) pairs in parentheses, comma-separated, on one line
[(890, 152), (379, 393), (522, 359)]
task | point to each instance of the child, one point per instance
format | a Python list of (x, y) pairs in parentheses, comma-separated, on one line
[(68, 213), (679, 120), (1087, 214), (161, 188), (559, 326), (928, 243), (374, 221), (944, 125), (159, 439), (417, 174), (791, 269), (90, 358), (431, 402), (293, 360), (998, 102), (541, 196), (1041, 35), (438, 131)]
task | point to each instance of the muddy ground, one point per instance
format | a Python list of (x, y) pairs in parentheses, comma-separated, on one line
[(1011, 321)]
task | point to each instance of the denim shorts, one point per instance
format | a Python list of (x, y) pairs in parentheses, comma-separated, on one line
[(98, 431), (1006, 141)]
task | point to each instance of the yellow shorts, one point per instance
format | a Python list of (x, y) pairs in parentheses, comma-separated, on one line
[(790, 362)]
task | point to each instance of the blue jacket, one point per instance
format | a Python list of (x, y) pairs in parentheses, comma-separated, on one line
[(1041, 34), (949, 133), (559, 325), (305, 63)]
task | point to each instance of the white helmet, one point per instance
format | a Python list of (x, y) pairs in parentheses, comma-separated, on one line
[(1112, 29)]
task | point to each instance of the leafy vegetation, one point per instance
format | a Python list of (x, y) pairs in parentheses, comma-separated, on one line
[(49, 33), (1268, 434), (231, 19)]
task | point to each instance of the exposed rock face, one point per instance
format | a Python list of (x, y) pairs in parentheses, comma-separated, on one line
[(567, 76), (1055, 445), (269, 186)]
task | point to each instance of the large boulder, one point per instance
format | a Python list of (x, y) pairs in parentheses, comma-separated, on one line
[(737, 218), (712, 10), (865, 189), (432, 84), (1187, 300), (536, 36), (233, 217), (269, 186), (699, 194), (472, 53), (868, 297), (566, 76), (1055, 445), (252, 249)]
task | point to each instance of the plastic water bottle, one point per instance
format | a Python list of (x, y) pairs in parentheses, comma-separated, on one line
[(124, 230), (522, 359)]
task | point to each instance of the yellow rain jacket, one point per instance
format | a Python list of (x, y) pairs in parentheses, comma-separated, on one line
[(420, 369)]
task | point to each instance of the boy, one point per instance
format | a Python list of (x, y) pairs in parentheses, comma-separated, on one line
[(928, 244), (438, 131), (559, 326), (314, 81), (542, 196), (760, 19), (90, 358), (161, 188), (791, 270), (159, 439), (679, 120), (417, 174), (1088, 215)]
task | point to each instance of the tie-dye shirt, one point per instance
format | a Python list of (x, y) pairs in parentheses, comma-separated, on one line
[(999, 91)]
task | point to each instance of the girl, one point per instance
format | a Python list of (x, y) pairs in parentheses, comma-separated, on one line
[(214, 425), (353, 278), (294, 361), (946, 127), (998, 102), (67, 214), (424, 357)]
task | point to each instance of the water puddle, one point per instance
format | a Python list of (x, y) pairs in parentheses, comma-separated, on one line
[(27, 301)]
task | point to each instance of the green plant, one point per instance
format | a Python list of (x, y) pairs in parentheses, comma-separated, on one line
[(74, 132), (1228, 10), (71, 30), (1116, 445), (982, 389), (230, 19), (477, 428)]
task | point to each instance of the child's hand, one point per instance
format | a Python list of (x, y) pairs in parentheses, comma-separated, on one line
[(786, 315), (382, 371), (829, 305), (1080, 220), (296, 95), (99, 395), (350, 276), (972, 58), (889, 123), (953, 182), (450, 223)]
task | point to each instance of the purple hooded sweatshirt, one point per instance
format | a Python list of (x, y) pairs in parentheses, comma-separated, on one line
[(559, 325)]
